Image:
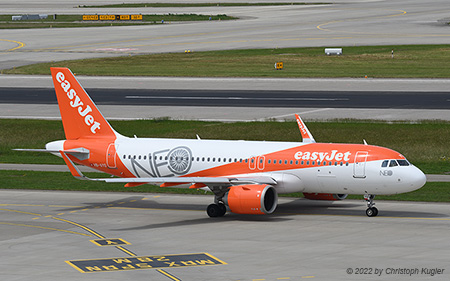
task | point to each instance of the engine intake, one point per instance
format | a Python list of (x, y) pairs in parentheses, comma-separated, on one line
[(251, 199)]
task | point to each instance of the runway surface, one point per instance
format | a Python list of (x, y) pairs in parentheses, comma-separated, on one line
[(43, 230), (241, 98), (313, 99)]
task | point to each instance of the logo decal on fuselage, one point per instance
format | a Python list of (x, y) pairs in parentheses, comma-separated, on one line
[(164, 163)]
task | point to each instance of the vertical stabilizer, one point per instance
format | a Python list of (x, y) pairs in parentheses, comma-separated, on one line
[(80, 116)]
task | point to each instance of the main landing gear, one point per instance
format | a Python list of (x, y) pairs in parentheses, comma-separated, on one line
[(216, 210), (371, 210)]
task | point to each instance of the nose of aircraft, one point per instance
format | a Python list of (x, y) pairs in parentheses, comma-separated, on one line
[(416, 178)]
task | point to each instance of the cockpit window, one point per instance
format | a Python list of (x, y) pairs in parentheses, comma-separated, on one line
[(403, 162), (393, 163), (385, 163)]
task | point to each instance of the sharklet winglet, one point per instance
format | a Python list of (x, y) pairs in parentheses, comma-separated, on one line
[(306, 135)]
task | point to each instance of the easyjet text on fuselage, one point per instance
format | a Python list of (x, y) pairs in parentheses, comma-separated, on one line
[(334, 155)]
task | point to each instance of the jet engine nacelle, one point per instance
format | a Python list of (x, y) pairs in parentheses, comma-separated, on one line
[(251, 199), (325, 196)]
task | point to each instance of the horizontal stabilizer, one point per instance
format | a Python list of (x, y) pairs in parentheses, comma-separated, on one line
[(80, 153), (71, 151)]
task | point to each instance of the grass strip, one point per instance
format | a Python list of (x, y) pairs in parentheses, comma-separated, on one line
[(66, 21), (191, 5), (410, 61), (425, 144), (431, 192)]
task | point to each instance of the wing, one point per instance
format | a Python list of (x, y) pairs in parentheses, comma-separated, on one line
[(196, 182)]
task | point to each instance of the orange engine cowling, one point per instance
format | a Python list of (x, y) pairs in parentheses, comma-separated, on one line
[(324, 196), (251, 199)]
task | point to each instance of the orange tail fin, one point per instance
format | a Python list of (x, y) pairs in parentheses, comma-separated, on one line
[(80, 116)]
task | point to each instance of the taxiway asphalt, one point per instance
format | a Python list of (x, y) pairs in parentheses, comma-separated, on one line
[(343, 23), (44, 230)]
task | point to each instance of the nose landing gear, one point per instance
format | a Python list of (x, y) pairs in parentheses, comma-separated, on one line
[(371, 210)]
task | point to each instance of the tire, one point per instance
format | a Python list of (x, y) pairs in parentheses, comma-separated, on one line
[(372, 212), (213, 211), (223, 209), (375, 212)]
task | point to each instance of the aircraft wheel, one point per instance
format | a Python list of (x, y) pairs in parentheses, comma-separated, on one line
[(213, 210), (375, 211), (372, 212), (223, 209)]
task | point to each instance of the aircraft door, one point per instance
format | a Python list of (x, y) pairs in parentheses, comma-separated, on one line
[(111, 156), (359, 167)]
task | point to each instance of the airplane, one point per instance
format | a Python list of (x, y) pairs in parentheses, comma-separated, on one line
[(244, 176)]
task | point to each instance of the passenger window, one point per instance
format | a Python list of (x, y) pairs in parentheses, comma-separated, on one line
[(393, 163), (385, 163)]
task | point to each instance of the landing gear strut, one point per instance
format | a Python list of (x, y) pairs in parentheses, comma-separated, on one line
[(371, 210), (218, 209)]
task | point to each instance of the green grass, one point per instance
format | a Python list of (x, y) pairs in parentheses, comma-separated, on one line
[(213, 4), (431, 192), (65, 21), (411, 61), (424, 144)]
